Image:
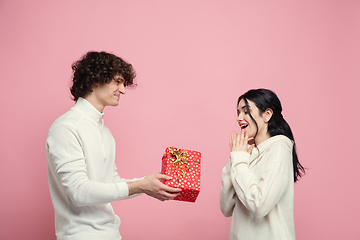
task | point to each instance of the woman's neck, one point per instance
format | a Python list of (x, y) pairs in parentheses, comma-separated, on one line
[(261, 138)]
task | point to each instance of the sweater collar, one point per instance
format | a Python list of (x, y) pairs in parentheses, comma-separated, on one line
[(88, 110), (278, 138)]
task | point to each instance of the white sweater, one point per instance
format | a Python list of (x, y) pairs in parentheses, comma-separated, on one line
[(82, 175), (257, 190)]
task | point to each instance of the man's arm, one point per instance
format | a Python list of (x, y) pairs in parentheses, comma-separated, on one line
[(68, 166), (152, 186)]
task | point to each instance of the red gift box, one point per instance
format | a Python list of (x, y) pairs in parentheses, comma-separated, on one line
[(184, 168)]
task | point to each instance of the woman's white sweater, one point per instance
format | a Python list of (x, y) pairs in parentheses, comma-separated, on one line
[(257, 190)]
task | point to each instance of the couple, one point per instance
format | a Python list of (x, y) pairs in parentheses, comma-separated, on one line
[(257, 183)]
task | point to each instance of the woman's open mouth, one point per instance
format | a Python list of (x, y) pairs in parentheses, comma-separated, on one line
[(243, 125)]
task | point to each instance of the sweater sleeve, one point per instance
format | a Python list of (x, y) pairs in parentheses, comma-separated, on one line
[(260, 194), (69, 165), (227, 192), (118, 179)]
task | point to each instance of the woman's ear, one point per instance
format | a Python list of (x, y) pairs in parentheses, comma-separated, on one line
[(267, 115)]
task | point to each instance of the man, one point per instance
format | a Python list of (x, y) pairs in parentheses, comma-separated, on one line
[(80, 153)]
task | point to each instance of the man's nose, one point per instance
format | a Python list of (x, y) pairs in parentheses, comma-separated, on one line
[(122, 88)]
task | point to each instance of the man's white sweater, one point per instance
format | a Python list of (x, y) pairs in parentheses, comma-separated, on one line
[(258, 191), (82, 175)]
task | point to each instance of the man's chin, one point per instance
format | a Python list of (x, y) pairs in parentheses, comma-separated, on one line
[(114, 103)]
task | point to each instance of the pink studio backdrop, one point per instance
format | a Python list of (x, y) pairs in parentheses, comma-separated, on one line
[(193, 59)]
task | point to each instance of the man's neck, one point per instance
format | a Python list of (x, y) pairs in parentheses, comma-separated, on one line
[(94, 101)]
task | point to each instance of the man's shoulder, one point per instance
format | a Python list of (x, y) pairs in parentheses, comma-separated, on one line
[(71, 118)]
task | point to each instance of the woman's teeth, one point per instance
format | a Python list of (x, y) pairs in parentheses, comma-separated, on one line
[(243, 126)]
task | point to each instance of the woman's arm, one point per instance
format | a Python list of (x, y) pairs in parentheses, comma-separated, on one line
[(260, 194), (227, 192)]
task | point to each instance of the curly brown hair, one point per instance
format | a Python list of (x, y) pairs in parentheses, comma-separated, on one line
[(98, 67)]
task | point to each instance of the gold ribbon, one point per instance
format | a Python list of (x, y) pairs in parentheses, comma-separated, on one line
[(181, 159)]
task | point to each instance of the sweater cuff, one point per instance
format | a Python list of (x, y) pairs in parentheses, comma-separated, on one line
[(239, 157), (123, 190)]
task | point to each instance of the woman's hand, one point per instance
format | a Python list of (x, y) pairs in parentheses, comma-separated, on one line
[(239, 142)]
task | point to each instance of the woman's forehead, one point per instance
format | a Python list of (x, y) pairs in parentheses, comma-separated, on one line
[(242, 104)]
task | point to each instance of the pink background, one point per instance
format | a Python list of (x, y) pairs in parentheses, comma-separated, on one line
[(193, 59)]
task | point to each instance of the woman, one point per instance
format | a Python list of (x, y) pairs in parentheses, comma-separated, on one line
[(257, 187)]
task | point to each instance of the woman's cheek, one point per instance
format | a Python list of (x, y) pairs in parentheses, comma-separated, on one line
[(251, 133)]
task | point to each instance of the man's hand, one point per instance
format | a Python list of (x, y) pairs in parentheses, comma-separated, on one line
[(152, 186)]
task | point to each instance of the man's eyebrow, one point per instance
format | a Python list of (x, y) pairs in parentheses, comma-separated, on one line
[(119, 79)]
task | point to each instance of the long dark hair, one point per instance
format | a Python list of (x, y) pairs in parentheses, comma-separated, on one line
[(265, 99)]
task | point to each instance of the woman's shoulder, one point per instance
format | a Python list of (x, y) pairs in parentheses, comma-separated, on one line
[(278, 150), (277, 143), (282, 139)]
